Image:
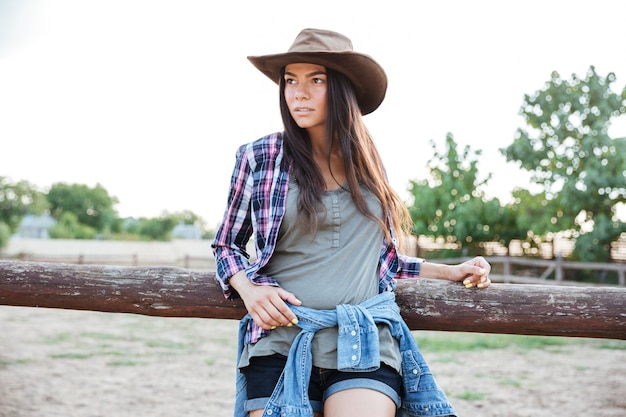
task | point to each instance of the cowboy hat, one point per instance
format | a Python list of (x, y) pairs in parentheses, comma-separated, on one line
[(331, 50)]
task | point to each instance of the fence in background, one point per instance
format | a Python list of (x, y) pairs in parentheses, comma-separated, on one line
[(203, 263), (506, 269)]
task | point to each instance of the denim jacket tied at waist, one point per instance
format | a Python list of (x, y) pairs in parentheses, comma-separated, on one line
[(357, 350)]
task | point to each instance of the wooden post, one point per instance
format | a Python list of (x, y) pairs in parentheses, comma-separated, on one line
[(426, 304), (559, 269), (506, 266)]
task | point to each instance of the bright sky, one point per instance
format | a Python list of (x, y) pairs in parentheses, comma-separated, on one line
[(152, 98)]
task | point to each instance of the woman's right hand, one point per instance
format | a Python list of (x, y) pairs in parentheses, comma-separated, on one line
[(265, 303)]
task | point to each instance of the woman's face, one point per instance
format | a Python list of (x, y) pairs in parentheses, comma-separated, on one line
[(305, 95)]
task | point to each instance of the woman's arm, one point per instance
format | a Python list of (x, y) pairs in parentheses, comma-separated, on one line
[(473, 273), (236, 227), (265, 303)]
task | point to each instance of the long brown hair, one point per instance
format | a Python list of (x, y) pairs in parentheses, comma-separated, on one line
[(362, 161)]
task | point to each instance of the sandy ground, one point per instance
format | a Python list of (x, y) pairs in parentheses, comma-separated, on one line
[(62, 363)]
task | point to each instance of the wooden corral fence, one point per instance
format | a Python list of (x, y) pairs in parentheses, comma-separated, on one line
[(128, 259), (555, 268), (526, 309)]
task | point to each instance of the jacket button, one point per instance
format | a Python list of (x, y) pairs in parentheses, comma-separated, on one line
[(353, 357), (353, 333)]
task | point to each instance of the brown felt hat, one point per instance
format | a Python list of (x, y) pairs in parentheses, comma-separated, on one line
[(332, 50)]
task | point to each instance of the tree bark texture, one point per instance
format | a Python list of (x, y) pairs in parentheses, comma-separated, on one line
[(426, 304)]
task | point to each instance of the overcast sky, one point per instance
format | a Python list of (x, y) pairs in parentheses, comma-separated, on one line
[(152, 98)]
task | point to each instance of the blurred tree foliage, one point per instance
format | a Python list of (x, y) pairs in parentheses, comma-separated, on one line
[(92, 207), (158, 228), (69, 227), (83, 212), (537, 219), (450, 206), (566, 147), (18, 199)]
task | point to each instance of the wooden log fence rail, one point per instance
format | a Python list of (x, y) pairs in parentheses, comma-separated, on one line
[(524, 309)]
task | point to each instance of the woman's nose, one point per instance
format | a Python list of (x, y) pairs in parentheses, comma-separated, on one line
[(301, 92)]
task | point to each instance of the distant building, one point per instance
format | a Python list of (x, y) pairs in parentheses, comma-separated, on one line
[(35, 227), (186, 231)]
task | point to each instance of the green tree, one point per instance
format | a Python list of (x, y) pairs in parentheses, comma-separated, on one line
[(581, 170), (68, 227), (451, 205), (159, 228), (185, 217), (5, 234), (536, 218), (16, 200), (92, 207)]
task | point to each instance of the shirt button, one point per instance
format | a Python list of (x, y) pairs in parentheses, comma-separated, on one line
[(353, 333), (353, 357), (355, 347), (414, 371), (269, 412)]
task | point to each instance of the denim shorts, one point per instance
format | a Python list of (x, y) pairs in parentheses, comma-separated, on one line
[(263, 373)]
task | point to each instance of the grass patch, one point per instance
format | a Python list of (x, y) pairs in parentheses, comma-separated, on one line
[(69, 337), (471, 396), (449, 359), (71, 355), (510, 382), (84, 345), (167, 344), (501, 380), (105, 336), (4, 362), (610, 344), (125, 362), (86, 355), (59, 338), (464, 342), (222, 340)]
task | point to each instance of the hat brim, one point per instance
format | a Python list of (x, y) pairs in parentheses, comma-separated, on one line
[(368, 78)]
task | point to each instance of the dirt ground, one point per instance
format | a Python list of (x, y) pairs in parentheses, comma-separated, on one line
[(63, 363)]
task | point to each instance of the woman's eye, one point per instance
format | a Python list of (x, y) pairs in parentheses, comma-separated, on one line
[(318, 80), (289, 81)]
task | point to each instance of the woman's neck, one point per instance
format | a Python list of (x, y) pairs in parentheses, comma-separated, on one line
[(329, 161)]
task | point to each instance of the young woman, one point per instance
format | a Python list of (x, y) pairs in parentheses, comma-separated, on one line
[(325, 224)]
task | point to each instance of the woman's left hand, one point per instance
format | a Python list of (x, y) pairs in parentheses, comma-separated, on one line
[(473, 273)]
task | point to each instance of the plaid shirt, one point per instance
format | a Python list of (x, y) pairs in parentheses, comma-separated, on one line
[(256, 204)]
